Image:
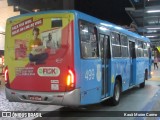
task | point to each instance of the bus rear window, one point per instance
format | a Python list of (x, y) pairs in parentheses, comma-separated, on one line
[(56, 22)]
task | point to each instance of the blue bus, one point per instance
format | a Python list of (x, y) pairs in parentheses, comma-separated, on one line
[(70, 58)]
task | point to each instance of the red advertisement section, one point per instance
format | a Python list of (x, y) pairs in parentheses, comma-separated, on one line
[(20, 49)]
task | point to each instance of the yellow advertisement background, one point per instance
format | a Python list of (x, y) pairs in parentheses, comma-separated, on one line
[(27, 35)]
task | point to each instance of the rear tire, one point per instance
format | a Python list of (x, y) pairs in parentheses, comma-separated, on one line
[(117, 94), (146, 75), (142, 85)]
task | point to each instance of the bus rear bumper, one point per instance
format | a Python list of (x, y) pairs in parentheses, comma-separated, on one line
[(71, 98)]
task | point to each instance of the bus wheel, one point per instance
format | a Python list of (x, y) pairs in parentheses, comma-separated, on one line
[(117, 93), (142, 85), (146, 75)]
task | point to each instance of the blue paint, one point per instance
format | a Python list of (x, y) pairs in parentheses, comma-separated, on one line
[(89, 85)]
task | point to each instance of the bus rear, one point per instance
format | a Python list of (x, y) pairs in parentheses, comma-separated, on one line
[(39, 59)]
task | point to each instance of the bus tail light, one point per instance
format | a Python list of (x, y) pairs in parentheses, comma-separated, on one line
[(6, 76), (70, 82)]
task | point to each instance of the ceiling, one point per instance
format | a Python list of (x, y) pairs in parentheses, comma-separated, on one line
[(146, 24), (145, 20)]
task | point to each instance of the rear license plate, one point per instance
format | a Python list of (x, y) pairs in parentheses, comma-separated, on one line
[(35, 98)]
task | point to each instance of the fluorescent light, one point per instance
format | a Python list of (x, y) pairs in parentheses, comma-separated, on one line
[(153, 28), (153, 22), (151, 36), (151, 31), (152, 11)]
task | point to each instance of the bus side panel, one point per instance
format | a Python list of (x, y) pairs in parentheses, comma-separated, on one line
[(141, 64), (121, 68), (134, 72), (90, 81), (88, 71), (109, 80)]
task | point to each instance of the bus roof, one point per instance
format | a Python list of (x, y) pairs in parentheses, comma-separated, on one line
[(112, 26), (105, 23)]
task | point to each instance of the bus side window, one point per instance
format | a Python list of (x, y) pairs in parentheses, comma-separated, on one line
[(124, 46), (116, 48), (140, 49), (88, 40), (145, 50)]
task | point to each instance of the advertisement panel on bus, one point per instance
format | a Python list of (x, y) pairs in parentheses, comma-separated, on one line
[(39, 52)]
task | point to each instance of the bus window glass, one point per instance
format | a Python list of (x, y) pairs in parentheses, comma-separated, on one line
[(116, 50), (88, 38), (56, 22), (145, 49), (124, 46), (140, 49), (101, 39)]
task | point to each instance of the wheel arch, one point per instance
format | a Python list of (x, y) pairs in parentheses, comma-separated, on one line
[(119, 78), (146, 74)]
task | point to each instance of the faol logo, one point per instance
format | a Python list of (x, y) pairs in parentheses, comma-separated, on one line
[(48, 71)]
